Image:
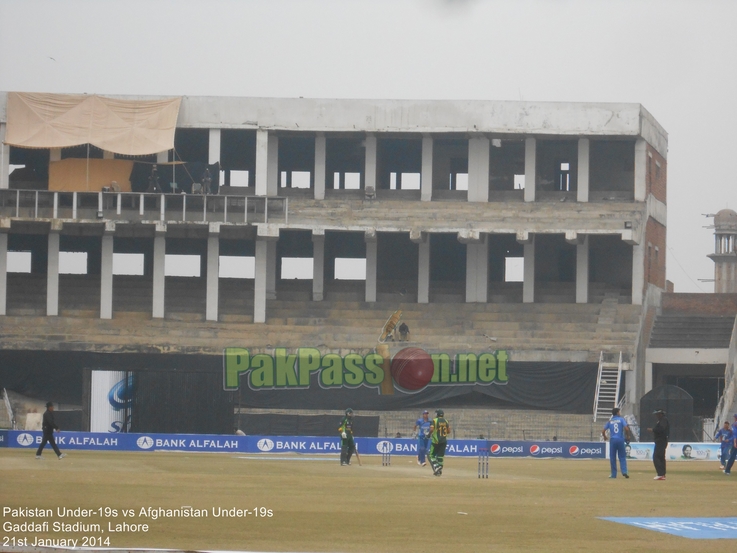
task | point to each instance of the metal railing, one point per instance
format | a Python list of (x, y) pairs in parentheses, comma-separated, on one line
[(134, 206)]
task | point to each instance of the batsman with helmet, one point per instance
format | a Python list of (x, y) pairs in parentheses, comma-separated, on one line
[(347, 445)]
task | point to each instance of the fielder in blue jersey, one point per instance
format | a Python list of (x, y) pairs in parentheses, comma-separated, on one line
[(725, 439), (733, 451), (422, 431), (619, 434)]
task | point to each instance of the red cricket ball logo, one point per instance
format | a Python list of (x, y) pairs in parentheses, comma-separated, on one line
[(412, 369)]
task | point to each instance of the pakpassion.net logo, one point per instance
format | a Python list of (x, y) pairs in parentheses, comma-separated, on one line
[(412, 369)]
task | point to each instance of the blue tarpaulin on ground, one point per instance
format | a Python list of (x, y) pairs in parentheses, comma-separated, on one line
[(694, 528)]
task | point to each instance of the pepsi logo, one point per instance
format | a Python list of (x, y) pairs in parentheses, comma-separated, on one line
[(534, 449), (495, 449), (574, 450)]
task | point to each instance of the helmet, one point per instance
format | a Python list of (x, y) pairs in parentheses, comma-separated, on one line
[(440, 413), (349, 412)]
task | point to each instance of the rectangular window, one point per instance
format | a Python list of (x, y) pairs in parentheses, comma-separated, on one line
[(461, 181), (238, 178), (350, 268), (404, 181), (514, 269), (353, 181), (182, 265), (300, 179), (19, 262), (128, 264), (299, 268), (72, 263), (519, 182), (564, 177), (232, 266)]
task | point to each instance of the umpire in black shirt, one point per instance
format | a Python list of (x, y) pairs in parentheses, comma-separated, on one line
[(48, 428), (661, 433)]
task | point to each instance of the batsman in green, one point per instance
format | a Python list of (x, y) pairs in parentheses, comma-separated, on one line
[(347, 445), (439, 431)]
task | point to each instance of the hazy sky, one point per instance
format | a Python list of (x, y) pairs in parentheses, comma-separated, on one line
[(678, 58)]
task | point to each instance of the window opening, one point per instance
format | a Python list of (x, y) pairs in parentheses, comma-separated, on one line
[(19, 262), (177, 265), (236, 266), (350, 268), (564, 177), (299, 268), (514, 269), (238, 178), (130, 264), (72, 263)]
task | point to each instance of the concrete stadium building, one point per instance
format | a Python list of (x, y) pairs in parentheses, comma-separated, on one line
[(315, 222)]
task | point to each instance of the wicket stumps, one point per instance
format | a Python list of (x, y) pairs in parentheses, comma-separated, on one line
[(386, 459), (483, 463)]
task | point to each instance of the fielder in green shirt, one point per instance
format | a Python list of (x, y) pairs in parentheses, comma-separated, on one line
[(439, 432)]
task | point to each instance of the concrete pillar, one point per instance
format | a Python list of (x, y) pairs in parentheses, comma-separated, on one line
[(262, 154), (423, 271), (478, 169), (52, 275), (648, 378), (55, 154), (3, 273), (259, 292), (528, 286), (584, 146), (370, 170), (4, 158), (530, 168), (272, 164), (159, 275), (162, 157), (106, 272), (582, 271), (641, 160), (426, 175), (318, 266), (271, 270), (477, 270), (320, 166), (371, 265), (213, 272), (638, 273), (213, 148)]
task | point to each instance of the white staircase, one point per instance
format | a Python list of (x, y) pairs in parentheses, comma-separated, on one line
[(607, 384)]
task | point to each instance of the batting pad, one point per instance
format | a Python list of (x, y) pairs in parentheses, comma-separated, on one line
[(694, 528)]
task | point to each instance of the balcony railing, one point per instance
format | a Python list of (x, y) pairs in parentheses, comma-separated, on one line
[(132, 206)]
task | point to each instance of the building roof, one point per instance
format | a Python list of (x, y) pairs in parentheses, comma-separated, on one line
[(500, 118)]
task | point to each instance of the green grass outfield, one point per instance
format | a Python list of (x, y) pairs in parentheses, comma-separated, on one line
[(319, 506)]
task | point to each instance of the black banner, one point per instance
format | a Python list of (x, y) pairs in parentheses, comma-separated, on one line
[(411, 378)]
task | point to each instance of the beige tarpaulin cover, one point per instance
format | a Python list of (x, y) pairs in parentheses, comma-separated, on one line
[(70, 175), (130, 127)]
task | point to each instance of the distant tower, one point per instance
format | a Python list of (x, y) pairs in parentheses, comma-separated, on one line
[(725, 252)]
